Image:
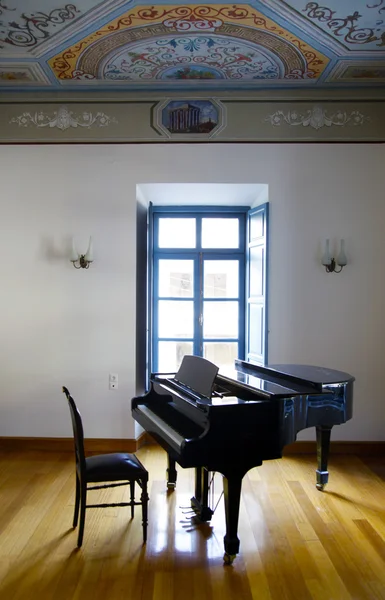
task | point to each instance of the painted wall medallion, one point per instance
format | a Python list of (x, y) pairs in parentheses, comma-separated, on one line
[(191, 118)]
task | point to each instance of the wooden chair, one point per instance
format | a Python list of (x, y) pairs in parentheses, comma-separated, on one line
[(108, 468)]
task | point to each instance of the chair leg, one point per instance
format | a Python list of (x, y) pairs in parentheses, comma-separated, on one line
[(144, 500), (132, 496), (77, 502), (83, 499)]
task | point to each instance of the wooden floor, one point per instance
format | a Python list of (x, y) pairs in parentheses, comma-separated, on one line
[(296, 543)]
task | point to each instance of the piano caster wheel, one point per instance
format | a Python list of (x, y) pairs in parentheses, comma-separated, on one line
[(320, 486), (228, 559), (171, 486)]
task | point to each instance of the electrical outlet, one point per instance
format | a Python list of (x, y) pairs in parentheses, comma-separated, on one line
[(113, 381)]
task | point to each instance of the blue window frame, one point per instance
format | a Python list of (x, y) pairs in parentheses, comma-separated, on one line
[(198, 284)]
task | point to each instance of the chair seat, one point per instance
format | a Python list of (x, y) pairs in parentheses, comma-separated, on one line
[(114, 467)]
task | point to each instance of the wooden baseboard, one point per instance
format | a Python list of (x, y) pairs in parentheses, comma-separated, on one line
[(101, 445), (358, 448), (91, 445)]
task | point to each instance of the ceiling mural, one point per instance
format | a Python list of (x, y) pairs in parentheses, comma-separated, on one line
[(132, 46)]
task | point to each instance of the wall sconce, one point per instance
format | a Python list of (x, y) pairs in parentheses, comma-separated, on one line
[(330, 263), (82, 261)]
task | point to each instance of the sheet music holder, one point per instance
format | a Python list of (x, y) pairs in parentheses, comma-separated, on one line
[(198, 374)]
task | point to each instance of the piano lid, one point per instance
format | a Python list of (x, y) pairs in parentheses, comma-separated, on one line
[(263, 386), (296, 376), (316, 374)]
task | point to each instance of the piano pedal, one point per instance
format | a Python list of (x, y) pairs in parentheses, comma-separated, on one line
[(190, 529), (228, 559), (189, 526)]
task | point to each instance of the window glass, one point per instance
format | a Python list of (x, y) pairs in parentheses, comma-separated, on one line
[(222, 354), (220, 278), (171, 354), (220, 233), (175, 319), (176, 278), (177, 233), (220, 319)]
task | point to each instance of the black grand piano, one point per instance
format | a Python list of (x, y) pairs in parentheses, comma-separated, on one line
[(231, 421)]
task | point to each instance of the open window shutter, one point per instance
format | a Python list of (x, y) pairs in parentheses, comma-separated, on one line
[(150, 254), (256, 284)]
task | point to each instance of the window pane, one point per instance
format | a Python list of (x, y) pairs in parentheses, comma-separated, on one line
[(177, 233), (220, 279), (220, 233), (176, 278), (222, 354), (220, 319), (175, 319), (171, 354)]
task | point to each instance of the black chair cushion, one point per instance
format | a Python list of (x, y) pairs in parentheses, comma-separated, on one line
[(114, 467)]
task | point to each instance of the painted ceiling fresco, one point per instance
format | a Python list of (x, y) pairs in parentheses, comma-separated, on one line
[(133, 46)]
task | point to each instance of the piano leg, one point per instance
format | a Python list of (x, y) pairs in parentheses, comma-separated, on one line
[(323, 445), (232, 487), (200, 502), (171, 473)]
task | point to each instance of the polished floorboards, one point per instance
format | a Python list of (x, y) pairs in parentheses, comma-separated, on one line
[(296, 543)]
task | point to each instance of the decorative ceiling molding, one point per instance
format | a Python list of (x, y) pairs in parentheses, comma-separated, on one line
[(192, 119), (129, 46), (29, 73), (316, 118)]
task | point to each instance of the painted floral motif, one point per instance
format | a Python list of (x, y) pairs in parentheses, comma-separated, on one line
[(316, 118), (194, 58), (34, 27), (380, 5), (344, 27), (144, 43), (63, 119)]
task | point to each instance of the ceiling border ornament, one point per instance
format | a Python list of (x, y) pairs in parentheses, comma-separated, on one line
[(34, 28), (27, 72), (63, 119), (347, 27), (316, 118), (352, 71)]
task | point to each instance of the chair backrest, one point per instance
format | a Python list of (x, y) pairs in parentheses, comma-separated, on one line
[(77, 427)]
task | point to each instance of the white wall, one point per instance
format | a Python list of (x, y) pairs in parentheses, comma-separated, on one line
[(62, 326)]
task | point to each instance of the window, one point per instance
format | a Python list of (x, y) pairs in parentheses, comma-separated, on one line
[(198, 285)]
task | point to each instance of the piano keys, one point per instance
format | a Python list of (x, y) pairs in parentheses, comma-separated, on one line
[(231, 421)]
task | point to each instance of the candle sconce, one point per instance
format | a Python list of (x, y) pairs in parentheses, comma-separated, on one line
[(82, 261), (330, 263)]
